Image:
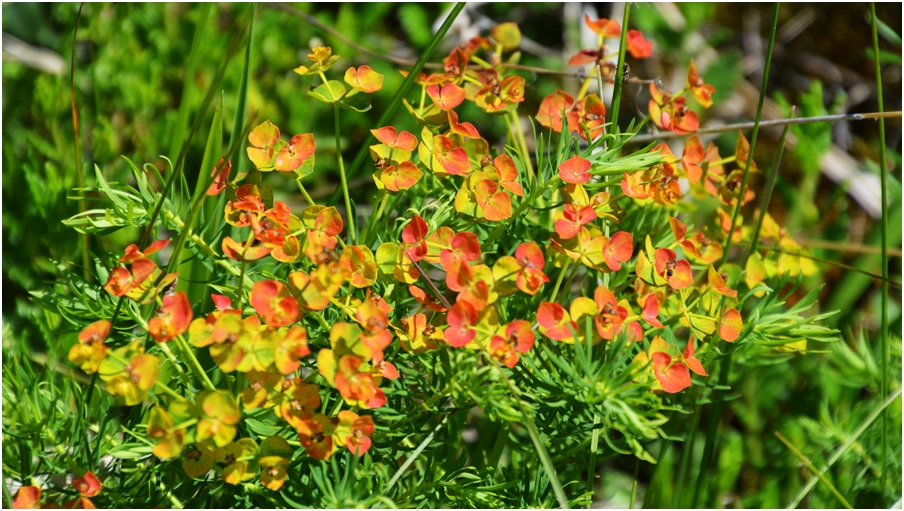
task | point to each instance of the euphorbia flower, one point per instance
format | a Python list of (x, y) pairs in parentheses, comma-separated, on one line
[(313, 292), (160, 427), (639, 47), (316, 437), (587, 117), (508, 174), (275, 454), (531, 278), (669, 370), (323, 224), (554, 321), (677, 273), (264, 389), (731, 324), (272, 301), (129, 381), (219, 414), (670, 113), (240, 460), (665, 189), (611, 314), (551, 110), (360, 264), (575, 217), (243, 251), (357, 384), (199, 458), (291, 348), (298, 402), (27, 497), (294, 154), (456, 63), (418, 335), (447, 97), (395, 140), (414, 235), (702, 91), (495, 203), (632, 186), (172, 319), (501, 96), (519, 339), (354, 431), (246, 205), (461, 318), (364, 79), (454, 160), (575, 170), (90, 350), (87, 486), (262, 139)]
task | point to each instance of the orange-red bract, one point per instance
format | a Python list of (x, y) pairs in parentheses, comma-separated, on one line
[(364, 79), (88, 485), (701, 90), (672, 374), (575, 217), (219, 175), (394, 140), (731, 325), (554, 321), (508, 174), (677, 273), (531, 277), (575, 170), (447, 97), (604, 27), (651, 310), (173, 318), (272, 301), (299, 149), (28, 497), (496, 204), (639, 47), (551, 109), (462, 316), (454, 160), (618, 249)]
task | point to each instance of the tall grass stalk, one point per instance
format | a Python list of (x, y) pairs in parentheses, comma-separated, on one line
[(883, 180), (725, 369), (86, 258), (620, 70)]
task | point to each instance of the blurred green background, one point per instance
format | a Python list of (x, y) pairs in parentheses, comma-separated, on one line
[(135, 94)]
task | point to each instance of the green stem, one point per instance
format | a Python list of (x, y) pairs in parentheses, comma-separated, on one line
[(555, 290), (620, 70), (195, 364), (172, 358), (304, 192), (756, 132), (883, 181), (767, 194), (809, 464), (86, 259), (368, 230), (519, 132), (348, 203)]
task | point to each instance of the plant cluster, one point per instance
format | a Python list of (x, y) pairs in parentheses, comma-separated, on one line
[(325, 340)]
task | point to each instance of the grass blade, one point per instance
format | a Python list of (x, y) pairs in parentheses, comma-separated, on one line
[(807, 463), (767, 194), (82, 205), (880, 410), (620, 70), (197, 45), (883, 181)]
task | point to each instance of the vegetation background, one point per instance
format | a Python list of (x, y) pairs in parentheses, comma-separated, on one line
[(136, 94)]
